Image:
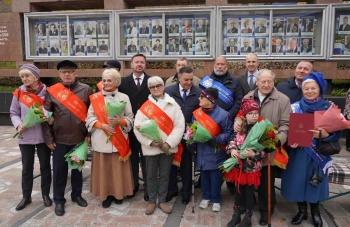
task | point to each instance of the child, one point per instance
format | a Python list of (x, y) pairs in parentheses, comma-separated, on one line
[(246, 174)]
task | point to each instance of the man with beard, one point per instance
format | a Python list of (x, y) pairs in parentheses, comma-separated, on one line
[(247, 79)]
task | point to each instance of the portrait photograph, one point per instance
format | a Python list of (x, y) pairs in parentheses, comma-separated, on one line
[(79, 46), (201, 27), (131, 30), (103, 46), (157, 27), (232, 46), (63, 29), (173, 27), (41, 29), (344, 26), (53, 28), (187, 45), (42, 47), (292, 46), (144, 27), (246, 26), (201, 46), (157, 48), (232, 27), (277, 43), (307, 25), (131, 46), (260, 45), (91, 47), (187, 27), (64, 47), (292, 26), (54, 47), (144, 47), (90, 30), (260, 26), (305, 45), (79, 28), (174, 45), (347, 43), (246, 45), (278, 25), (102, 28)]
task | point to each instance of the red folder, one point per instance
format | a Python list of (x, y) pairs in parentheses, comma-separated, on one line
[(299, 126)]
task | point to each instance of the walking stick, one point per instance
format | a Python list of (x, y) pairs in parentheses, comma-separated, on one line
[(192, 154), (268, 190)]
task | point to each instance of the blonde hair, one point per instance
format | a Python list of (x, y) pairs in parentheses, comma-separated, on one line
[(114, 73)]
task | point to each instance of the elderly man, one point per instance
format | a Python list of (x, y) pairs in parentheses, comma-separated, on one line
[(135, 86), (306, 48), (275, 107), (69, 102), (278, 48), (261, 27), (181, 62), (186, 95), (293, 46), (247, 79), (246, 46), (292, 87)]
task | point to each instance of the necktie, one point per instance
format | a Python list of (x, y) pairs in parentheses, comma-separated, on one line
[(130, 29), (251, 82), (138, 83), (278, 50), (184, 95)]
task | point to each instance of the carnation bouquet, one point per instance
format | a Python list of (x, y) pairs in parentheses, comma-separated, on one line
[(114, 108), (196, 133), (36, 115), (77, 156), (261, 136)]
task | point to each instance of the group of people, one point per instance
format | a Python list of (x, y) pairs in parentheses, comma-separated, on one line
[(227, 106)]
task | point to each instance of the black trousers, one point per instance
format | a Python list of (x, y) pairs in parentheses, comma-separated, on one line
[(186, 174), (244, 198), (60, 174), (28, 156), (136, 153), (347, 141), (262, 189)]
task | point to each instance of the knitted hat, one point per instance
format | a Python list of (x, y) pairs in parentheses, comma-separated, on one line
[(66, 63), (248, 105), (318, 77), (32, 68), (212, 94), (113, 64)]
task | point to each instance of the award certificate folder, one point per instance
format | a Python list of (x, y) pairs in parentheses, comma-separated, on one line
[(299, 126)]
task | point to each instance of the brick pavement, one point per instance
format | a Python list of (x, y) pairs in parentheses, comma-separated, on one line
[(131, 212)]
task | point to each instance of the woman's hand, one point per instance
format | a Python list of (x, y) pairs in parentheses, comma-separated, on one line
[(316, 133), (108, 128), (157, 143), (165, 148), (295, 145), (234, 153), (50, 121), (20, 128), (248, 153), (114, 121), (237, 125)]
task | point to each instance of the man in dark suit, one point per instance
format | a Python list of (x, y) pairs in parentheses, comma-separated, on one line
[(292, 27), (278, 48), (42, 48), (79, 48), (232, 27), (260, 45), (132, 47), (306, 48), (91, 48), (277, 26), (246, 46), (173, 47), (261, 27), (246, 80), (103, 29), (54, 49), (63, 27), (231, 48), (144, 29), (144, 48), (137, 97), (308, 25), (200, 26), (174, 28), (344, 27), (103, 48), (157, 28), (53, 30), (293, 46)]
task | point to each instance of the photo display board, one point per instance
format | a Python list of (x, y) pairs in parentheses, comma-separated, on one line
[(341, 31)]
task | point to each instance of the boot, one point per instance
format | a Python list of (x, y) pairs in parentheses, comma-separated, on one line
[(236, 217), (316, 216), (247, 220), (301, 215)]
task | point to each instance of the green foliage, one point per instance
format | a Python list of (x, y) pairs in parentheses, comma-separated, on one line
[(338, 92), (7, 65)]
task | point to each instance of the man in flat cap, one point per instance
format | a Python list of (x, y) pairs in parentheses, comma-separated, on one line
[(69, 102)]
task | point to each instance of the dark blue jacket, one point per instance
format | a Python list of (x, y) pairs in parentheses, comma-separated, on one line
[(290, 89), (207, 156), (234, 86), (190, 104)]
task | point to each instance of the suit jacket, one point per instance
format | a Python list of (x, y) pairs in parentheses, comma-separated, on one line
[(174, 28), (144, 49), (174, 49), (156, 30), (131, 31), (79, 48), (91, 49), (54, 33), (42, 50), (305, 49), (103, 48), (144, 30), (308, 27), (54, 50), (158, 48), (91, 31), (275, 28), (262, 29), (260, 49), (137, 96), (102, 32), (274, 49), (292, 51), (63, 32), (132, 49), (249, 50), (200, 29), (228, 49), (232, 30), (292, 28), (246, 30), (243, 80), (344, 28)]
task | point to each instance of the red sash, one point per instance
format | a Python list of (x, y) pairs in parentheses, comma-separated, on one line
[(207, 122), (69, 100), (118, 139), (164, 122), (27, 98), (99, 85)]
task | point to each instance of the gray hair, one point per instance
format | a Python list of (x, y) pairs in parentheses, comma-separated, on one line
[(261, 71), (114, 73), (155, 80)]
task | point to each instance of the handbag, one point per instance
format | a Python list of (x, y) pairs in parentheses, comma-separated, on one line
[(328, 148)]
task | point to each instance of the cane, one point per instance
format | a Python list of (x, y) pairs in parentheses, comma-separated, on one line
[(192, 154), (268, 191)]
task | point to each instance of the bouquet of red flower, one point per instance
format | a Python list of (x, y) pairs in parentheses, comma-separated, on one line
[(196, 133), (36, 115), (77, 156)]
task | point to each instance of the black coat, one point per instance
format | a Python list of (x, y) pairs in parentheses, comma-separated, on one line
[(290, 89), (243, 80)]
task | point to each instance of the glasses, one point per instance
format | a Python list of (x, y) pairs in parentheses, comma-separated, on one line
[(154, 87), (67, 71), (202, 96), (253, 114)]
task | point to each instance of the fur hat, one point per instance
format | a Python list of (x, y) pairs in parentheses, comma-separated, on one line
[(318, 78), (212, 94), (248, 105), (32, 68)]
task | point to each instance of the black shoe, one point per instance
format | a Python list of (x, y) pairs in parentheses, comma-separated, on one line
[(47, 200), (107, 203), (263, 220), (133, 194), (299, 218), (247, 220), (185, 200), (316, 219), (170, 196), (235, 220), (118, 201), (146, 197), (231, 187), (80, 201), (59, 209), (24, 202)]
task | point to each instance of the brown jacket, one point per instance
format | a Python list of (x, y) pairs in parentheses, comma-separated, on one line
[(67, 129)]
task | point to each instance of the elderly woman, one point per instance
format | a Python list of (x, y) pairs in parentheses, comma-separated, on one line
[(304, 161), (32, 91), (159, 154), (111, 175)]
